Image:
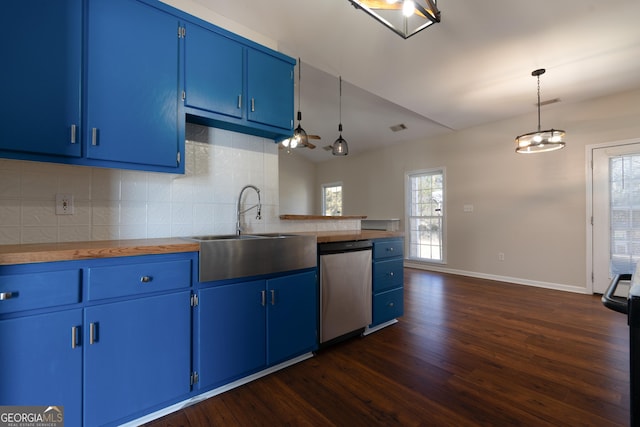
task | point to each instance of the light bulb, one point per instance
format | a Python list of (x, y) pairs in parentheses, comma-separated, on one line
[(293, 142), (408, 8), (285, 142), (537, 138), (392, 1)]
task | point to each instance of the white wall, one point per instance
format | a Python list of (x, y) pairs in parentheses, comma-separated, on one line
[(530, 207), (298, 192)]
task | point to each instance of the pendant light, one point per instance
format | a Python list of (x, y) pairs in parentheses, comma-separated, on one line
[(340, 146), (299, 137), (542, 140)]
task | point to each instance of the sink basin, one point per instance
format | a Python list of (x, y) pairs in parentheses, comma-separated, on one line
[(231, 256)]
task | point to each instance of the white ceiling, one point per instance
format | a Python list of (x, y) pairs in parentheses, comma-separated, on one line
[(472, 68)]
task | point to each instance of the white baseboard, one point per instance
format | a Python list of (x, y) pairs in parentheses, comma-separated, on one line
[(514, 280), (199, 398)]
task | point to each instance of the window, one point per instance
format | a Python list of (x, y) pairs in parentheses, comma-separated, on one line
[(332, 199), (425, 222)]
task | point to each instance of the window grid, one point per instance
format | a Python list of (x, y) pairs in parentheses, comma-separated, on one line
[(426, 190), (332, 199), (624, 190)]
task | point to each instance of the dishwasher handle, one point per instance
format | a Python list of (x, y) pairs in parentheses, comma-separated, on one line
[(615, 303)]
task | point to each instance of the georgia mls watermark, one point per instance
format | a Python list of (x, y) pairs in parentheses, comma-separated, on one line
[(31, 416)]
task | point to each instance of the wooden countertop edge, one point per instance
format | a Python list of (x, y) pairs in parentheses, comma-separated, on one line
[(321, 217), (69, 251)]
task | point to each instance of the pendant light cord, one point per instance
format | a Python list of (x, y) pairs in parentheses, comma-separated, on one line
[(340, 105), (538, 102), (299, 78)]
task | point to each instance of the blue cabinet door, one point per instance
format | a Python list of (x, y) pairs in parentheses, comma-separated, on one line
[(269, 89), (292, 320), (232, 332), (40, 365), (132, 84), (214, 74), (137, 355), (40, 76)]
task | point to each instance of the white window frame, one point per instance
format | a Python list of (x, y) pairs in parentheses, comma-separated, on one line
[(329, 185), (408, 210)]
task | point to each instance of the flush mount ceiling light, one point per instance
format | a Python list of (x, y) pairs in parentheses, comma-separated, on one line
[(403, 17), (542, 140), (340, 146), (299, 137)]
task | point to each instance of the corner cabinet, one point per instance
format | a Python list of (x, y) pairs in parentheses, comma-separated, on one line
[(237, 86), (245, 326), (109, 339), (132, 100), (388, 280)]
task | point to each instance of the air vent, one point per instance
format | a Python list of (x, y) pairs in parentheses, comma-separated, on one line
[(549, 101), (398, 128)]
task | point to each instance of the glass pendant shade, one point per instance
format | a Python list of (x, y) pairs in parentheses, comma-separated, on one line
[(340, 146), (299, 134), (540, 141)]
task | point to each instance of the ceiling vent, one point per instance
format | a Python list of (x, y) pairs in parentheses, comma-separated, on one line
[(398, 128)]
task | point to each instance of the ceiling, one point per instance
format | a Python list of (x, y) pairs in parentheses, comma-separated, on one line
[(472, 68)]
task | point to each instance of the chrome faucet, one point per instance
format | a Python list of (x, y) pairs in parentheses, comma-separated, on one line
[(239, 212)]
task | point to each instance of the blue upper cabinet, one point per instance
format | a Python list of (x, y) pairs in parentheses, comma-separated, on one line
[(214, 70), (270, 90), (132, 85), (40, 78), (235, 84)]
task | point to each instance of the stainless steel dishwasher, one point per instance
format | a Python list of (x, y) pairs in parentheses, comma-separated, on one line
[(345, 289)]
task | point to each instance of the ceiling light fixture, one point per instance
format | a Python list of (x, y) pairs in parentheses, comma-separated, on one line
[(542, 140), (340, 146), (299, 137), (403, 17)]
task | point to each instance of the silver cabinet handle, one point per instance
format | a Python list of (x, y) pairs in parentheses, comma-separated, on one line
[(94, 136), (73, 134), (264, 297), (253, 105), (146, 279), (7, 295), (391, 274), (273, 297), (239, 101), (390, 249), (92, 333), (74, 336)]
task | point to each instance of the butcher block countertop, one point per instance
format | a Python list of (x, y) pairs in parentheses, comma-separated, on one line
[(47, 252)]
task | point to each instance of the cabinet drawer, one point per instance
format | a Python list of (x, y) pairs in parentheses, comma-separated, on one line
[(387, 249), (131, 279), (39, 290), (388, 305), (387, 274)]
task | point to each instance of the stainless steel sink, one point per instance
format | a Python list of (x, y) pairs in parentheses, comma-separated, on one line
[(230, 256)]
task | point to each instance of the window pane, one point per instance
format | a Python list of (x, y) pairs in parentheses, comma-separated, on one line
[(624, 182), (332, 200), (426, 190)]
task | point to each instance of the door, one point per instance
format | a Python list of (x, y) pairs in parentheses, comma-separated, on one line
[(40, 76), (292, 316), (137, 355), (232, 334), (616, 213), (214, 74), (41, 360), (132, 83)]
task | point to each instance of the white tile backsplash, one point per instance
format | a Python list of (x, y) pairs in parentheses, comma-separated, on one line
[(118, 204)]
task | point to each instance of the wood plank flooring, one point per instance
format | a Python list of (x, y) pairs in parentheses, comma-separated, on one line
[(467, 352)]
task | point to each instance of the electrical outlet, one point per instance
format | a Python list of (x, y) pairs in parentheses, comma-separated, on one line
[(64, 204), (500, 256)]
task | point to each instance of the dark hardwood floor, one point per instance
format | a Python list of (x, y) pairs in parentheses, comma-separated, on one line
[(467, 352)]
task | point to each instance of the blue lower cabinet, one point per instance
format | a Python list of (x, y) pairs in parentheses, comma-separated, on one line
[(292, 320), (137, 356), (231, 321), (41, 360), (243, 327), (388, 280)]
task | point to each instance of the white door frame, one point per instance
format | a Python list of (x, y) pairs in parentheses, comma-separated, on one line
[(589, 187)]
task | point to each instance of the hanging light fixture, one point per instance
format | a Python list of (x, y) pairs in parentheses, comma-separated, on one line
[(299, 137), (403, 17), (340, 146), (541, 140)]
